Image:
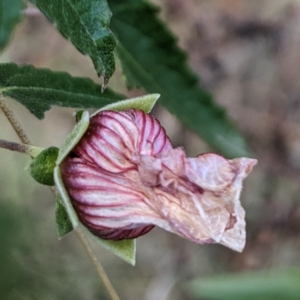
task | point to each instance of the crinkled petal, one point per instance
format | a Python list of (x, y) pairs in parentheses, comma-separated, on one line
[(124, 177)]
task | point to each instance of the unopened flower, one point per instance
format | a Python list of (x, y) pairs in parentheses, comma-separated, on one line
[(124, 177)]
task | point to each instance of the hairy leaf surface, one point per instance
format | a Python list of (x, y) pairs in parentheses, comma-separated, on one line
[(85, 24), (39, 89)]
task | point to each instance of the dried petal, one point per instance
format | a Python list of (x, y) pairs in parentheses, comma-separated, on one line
[(124, 177)]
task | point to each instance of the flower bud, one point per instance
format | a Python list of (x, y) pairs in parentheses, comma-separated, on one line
[(124, 178)]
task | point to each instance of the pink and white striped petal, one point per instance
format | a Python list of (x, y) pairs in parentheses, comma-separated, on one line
[(124, 178)]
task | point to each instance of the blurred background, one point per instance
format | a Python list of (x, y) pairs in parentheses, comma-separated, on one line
[(247, 53)]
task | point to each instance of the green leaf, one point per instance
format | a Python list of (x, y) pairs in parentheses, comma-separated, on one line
[(42, 166), (125, 249), (39, 89), (144, 103), (10, 15), (63, 223), (151, 59), (272, 285), (85, 24)]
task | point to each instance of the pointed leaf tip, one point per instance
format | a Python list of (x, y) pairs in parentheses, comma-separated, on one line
[(63, 223), (86, 25), (144, 103), (125, 249)]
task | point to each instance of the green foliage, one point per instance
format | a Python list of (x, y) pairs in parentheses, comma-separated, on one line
[(85, 24), (151, 59), (125, 249), (39, 89), (72, 216), (63, 223), (10, 15), (272, 285), (66, 216), (42, 166)]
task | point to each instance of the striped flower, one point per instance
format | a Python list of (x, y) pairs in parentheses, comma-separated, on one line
[(124, 178)]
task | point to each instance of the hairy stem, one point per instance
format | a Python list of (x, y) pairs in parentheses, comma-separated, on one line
[(22, 148), (13, 121), (32, 151), (25, 149), (13, 146)]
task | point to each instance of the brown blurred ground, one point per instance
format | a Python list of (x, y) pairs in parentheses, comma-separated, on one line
[(248, 55)]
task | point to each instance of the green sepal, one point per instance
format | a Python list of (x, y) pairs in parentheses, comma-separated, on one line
[(74, 137), (63, 223), (42, 166), (70, 142), (144, 103), (65, 198), (125, 249), (78, 115)]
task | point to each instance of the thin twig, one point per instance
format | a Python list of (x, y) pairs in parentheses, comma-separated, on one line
[(13, 121), (23, 137), (102, 274)]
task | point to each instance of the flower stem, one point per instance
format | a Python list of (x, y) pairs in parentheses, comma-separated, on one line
[(28, 149), (102, 274), (13, 121)]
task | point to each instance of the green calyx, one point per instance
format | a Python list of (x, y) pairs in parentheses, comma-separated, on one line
[(42, 166)]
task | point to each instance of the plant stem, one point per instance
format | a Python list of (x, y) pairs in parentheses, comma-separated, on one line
[(13, 121), (32, 151), (25, 149), (102, 274), (13, 146)]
